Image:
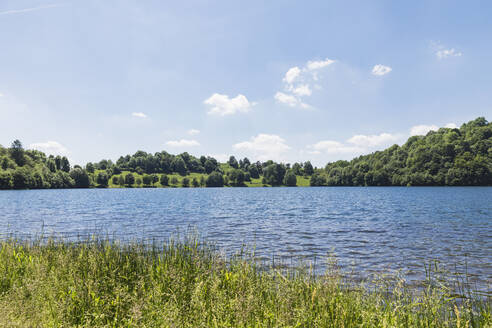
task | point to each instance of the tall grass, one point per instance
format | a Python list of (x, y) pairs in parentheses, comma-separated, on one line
[(188, 284)]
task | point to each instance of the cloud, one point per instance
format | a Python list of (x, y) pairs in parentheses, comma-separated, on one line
[(25, 10), (292, 74), (286, 99), (357, 144), (297, 83), (380, 70), (373, 140), (446, 53), (1, 94), (264, 147), (302, 90), (193, 132), (332, 147), (223, 105), (451, 126), (139, 114), (422, 129), (317, 64), (183, 143), (50, 147)]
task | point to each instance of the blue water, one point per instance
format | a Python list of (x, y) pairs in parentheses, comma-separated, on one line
[(373, 229)]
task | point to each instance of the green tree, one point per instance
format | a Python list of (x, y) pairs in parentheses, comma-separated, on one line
[(164, 180), (195, 183), (89, 167), (121, 180), (80, 177), (114, 179), (102, 179), (178, 165), (6, 180), (185, 182), (147, 180), (129, 179), (253, 171), (233, 162), (65, 164), (308, 168), (317, 180), (215, 179), (174, 181), (17, 153), (274, 174), (290, 179)]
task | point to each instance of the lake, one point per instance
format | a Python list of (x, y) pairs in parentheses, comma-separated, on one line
[(383, 229)]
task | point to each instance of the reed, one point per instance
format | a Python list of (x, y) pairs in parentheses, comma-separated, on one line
[(186, 283)]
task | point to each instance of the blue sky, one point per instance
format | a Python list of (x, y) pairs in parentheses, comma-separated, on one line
[(287, 80)]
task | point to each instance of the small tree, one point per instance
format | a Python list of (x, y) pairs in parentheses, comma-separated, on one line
[(308, 168), (138, 181), (147, 180), (233, 162), (17, 153), (164, 180), (185, 182), (129, 179), (290, 179), (195, 183), (102, 179), (114, 179), (155, 178), (121, 180), (174, 181), (215, 179)]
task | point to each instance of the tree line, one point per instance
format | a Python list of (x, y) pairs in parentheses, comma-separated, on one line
[(445, 157)]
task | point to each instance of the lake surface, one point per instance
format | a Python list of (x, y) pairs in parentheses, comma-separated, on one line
[(375, 229)]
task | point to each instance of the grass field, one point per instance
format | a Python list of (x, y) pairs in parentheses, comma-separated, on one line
[(187, 284)]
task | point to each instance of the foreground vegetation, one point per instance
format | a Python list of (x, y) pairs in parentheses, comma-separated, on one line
[(451, 157), (187, 284)]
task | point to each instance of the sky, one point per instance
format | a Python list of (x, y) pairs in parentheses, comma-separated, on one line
[(283, 80)]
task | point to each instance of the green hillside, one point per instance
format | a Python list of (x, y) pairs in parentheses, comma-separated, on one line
[(454, 157)]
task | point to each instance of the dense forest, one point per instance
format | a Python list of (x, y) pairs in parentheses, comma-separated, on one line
[(445, 157)]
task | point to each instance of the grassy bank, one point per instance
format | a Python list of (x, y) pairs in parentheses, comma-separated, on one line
[(187, 284)]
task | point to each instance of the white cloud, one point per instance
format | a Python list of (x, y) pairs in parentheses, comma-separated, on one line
[(373, 140), (380, 70), (223, 105), (1, 94), (183, 143), (422, 129), (286, 99), (317, 64), (297, 83), (302, 90), (193, 132), (264, 147), (332, 147), (356, 145), (445, 53), (50, 147), (139, 114), (25, 10), (292, 74), (222, 158)]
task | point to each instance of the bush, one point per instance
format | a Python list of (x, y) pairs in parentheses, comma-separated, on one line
[(215, 179)]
